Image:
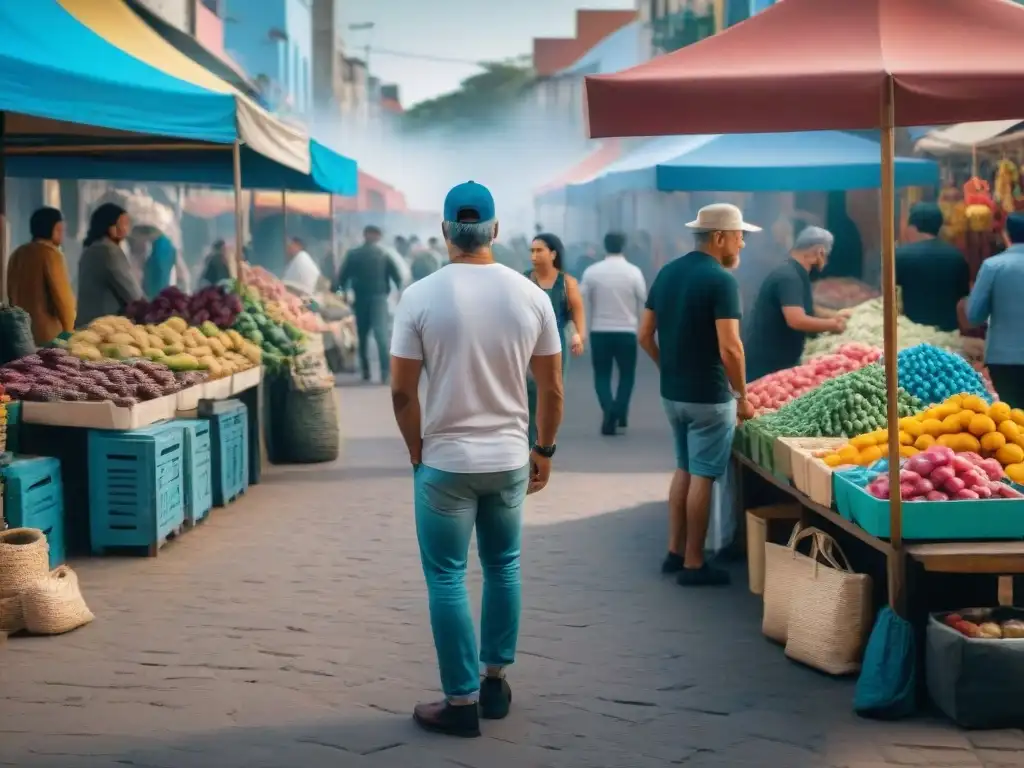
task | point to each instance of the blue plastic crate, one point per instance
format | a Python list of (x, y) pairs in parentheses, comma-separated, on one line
[(136, 487), (981, 520), (198, 469), (229, 433), (34, 498)]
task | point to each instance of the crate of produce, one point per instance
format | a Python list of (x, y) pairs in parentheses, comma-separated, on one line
[(973, 520), (229, 441), (136, 488), (792, 453), (974, 663), (34, 498), (198, 469), (101, 414)]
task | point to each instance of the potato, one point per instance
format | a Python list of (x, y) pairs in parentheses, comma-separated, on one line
[(1013, 629), (991, 630)]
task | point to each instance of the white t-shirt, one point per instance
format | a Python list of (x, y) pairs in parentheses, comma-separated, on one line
[(615, 292), (302, 273), (475, 327)]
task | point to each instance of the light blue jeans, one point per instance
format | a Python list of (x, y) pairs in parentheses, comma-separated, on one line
[(448, 506)]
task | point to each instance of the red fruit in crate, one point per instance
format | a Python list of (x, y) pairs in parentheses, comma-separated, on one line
[(952, 618)]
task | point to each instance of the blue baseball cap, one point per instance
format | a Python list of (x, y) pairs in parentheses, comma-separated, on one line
[(469, 200)]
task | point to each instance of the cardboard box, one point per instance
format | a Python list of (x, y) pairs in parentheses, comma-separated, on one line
[(218, 389), (101, 415), (188, 399), (246, 380), (786, 449)]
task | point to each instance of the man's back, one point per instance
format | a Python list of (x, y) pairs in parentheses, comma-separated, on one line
[(933, 276), (475, 327), (368, 269), (688, 296), (1002, 277), (615, 291)]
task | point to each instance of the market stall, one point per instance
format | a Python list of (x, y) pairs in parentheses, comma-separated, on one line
[(770, 67)]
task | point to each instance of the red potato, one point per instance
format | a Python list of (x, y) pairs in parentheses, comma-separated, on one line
[(940, 455), (966, 494), (992, 468), (1007, 492), (923, 487), (919, 464), (972, 457), (909, 476), (962, 464), (937, 496), (940, 475), (983, 491), (953, 486)]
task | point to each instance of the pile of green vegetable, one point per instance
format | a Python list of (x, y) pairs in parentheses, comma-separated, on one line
[(278, 340), (865, 326), (846, 406)]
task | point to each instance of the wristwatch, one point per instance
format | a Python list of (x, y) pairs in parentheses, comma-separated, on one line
[(547, 451)]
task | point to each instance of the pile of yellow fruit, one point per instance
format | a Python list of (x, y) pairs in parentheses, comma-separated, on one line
[(173, 343), (965, 423)]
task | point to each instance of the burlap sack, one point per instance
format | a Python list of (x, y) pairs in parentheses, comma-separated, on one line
[(54, 604)]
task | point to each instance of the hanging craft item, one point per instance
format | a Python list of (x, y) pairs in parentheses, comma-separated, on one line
[(983, 215), (1007, 182), (954, 212)]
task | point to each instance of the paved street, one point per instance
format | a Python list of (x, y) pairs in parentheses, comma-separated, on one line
[(291, 630)]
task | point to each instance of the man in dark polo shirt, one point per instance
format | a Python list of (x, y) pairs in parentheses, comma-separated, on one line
[(783, 314), (931, 273), (369, 272), (694, 310)]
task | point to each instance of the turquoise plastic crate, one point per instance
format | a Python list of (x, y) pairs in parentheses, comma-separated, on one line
[(198, 469), (136, 487), (229, 439), (34, 498), (981, 520)]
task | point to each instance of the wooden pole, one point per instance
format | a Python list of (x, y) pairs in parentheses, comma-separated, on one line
[(239, 241), (335, 256), (3, 206), (284, 221), (890, 314)]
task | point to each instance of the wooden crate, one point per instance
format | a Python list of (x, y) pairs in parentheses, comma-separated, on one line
[(786, 448)]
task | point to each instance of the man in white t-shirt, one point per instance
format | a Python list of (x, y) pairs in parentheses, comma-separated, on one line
[(302, 273), (474, 328), (614, 292)]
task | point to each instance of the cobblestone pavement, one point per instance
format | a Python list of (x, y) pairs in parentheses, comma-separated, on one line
[(291, 630)]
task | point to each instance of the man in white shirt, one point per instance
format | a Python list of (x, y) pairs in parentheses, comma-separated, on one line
[(302, 273), (614, 292), (474, 327)]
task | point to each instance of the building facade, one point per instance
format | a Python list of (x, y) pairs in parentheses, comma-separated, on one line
[(273, 41), (674, 24), (328, 54), (178, 13)]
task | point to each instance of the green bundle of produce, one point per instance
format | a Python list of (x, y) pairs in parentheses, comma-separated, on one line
[(846, 406), (865, 325), (279, 341)]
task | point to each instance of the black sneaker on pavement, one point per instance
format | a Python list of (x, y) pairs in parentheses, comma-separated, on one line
[(672, 563), (495, 698), (623, 424), (461, 720), (705, 576), (608, 424)]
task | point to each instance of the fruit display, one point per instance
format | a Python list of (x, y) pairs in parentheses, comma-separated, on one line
[(939, 474), (55, 375), (984, 625), (933, 375), (771, 392), (278, 340), (212, 304), (846, 406), (280, 303), (964, 423), (172, 343), (842, 292), (865, 326)]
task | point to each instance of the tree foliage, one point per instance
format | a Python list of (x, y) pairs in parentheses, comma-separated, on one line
[(481, 97)]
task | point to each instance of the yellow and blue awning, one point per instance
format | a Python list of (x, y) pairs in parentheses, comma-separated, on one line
[(104, 75)]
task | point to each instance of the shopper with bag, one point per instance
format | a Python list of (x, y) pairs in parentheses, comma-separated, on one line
[(691, 329)]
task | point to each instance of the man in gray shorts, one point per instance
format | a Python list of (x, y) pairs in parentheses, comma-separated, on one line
[(694, 309)]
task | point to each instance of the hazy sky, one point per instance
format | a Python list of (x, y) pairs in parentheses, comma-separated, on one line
[(471, 30)]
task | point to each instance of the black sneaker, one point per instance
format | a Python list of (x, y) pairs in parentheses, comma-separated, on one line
[(623, 424), (672, 563), (449, 719), (705, 576), (608, 424), (495, 698)]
